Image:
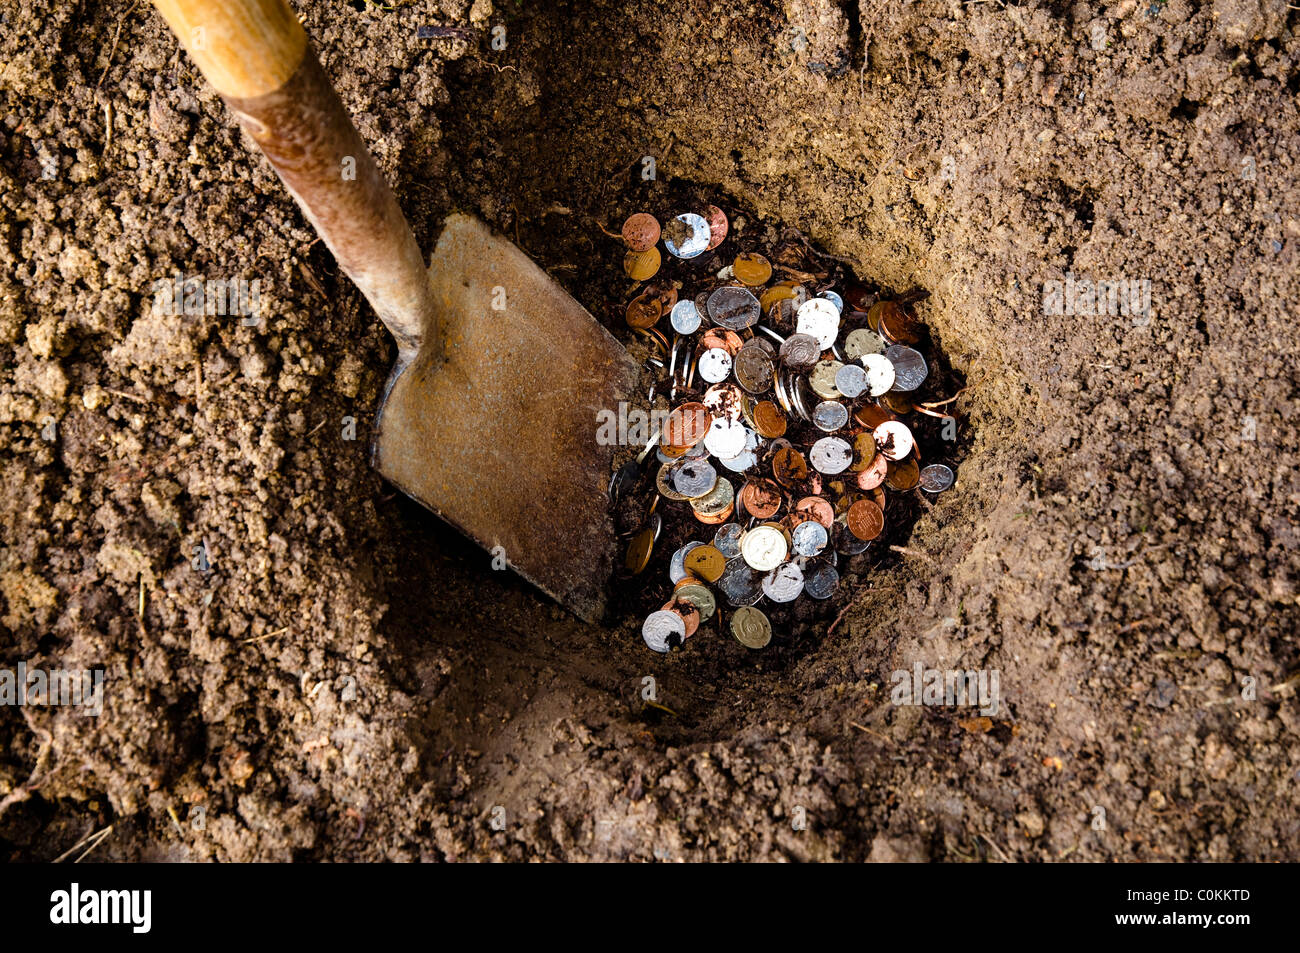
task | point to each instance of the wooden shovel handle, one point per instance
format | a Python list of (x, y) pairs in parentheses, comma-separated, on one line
[(256, 54)]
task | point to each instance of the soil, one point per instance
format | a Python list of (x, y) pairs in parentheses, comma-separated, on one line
[(350, 680)]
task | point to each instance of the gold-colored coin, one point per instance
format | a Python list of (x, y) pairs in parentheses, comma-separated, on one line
[(751, 627), (664, 483), (864, 451), (768, 419), (903, 475), (752, 269), (642, 265), (705, 562), (774, 294), (638, 551)]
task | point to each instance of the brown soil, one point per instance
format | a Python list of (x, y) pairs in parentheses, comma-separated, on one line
[(351, 680)]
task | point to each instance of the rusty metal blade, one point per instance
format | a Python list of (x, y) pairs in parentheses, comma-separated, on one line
[(496, 431)]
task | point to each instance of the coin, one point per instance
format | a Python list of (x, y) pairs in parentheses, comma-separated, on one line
[(641, 231), (847, 543), (763, 548), (706, 562), (642, 265), (715, 365), (820, 319), (687, 235), (685, 319), (903, 475), (894, 439), (713, 505), (698, 596), (834, 299), (751, 628), (936, 478), (784, 583), (725, 438), (865, 520), (880, 373), (751, 269), (910, 369), (862, 341), (727, 539), (768, 419), (725, 401), (663, 630), (694, 478), (774, 294), (677, 565), (638, 551), (740, 584), (822, 379), (831, 455), (800, 352), (717, 220), (722, 339), (687, 425), (761, 498), (643, 311), (817, 509), (754, 369), (830, 415), (875, 474), (864, 451), (734, 308), (897, 326), (789, 466), (820, 580), (809, 538), (851, 380), (664, 483)]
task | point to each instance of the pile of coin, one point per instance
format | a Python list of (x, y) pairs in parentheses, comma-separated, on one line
[(788, 393)]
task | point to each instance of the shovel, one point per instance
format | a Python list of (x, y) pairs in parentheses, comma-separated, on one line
[(489, 416)]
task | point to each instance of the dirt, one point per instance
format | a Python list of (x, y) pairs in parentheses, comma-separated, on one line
[(349, 680)]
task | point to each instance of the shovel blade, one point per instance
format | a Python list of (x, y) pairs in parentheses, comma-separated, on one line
[(497, 430)]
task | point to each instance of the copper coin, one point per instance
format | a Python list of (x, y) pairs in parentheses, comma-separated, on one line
[(728, 341), (754, 368), (858, 297), (761, 498), (865, 520), (903, 476), (897, 326), (873, 416), (641, 231), (717, 220), (638, 551), (873, 315), (816, 508), (713, 519), (874, 475), (768, 419), (789, 466), (686, 609), (705, 562), (718, 501), (643, 311), (898, 403), (687, 425), (642, 265), (752, 269)]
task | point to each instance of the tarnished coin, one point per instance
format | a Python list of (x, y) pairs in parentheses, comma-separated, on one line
[(754, 368), (903, 475), (694, 478), (677, 565), (698, 596), (763, 548), (642, 265), (641, 231), (717, 504), (784, 583), (688, 235), (686, 609), (830, 415), (734, 308), (831, 455), (725, 401), (715, 365), (880, 373), (847, 543), (751, 628), (789, 466), (874, 475), (664, 483), (726, 438), (705, 562), (863, 341), (816, 508), (910, 370), (819, 318), (851, 380), (664, 630), (727, 539), (643, 311), (865, 520), (864, 451), (761, 498), (638, 550), (768, 419), (800, 352), (936, 478), (685, 319), (822, 379), (820, 580), (809, 538), (894, 439), (740, 584), (717, 220), (751, 269)]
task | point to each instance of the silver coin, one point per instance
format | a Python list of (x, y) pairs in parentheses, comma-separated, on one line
[(820, 580), (847, 543), (880, 374), (726, 438), (715, 365), (684, 317), (830, 415), (936, 478), (831, 455), (687, 235), (834, 299), (694, 478), (851, 380), (910, 370), (784, 583), (861, 342), (727, 539), (734, 308), (894, 439), (740, 584), (663, 630), (677, 565), (821, 319), (809, 538), (800, 352), (745, 460)]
